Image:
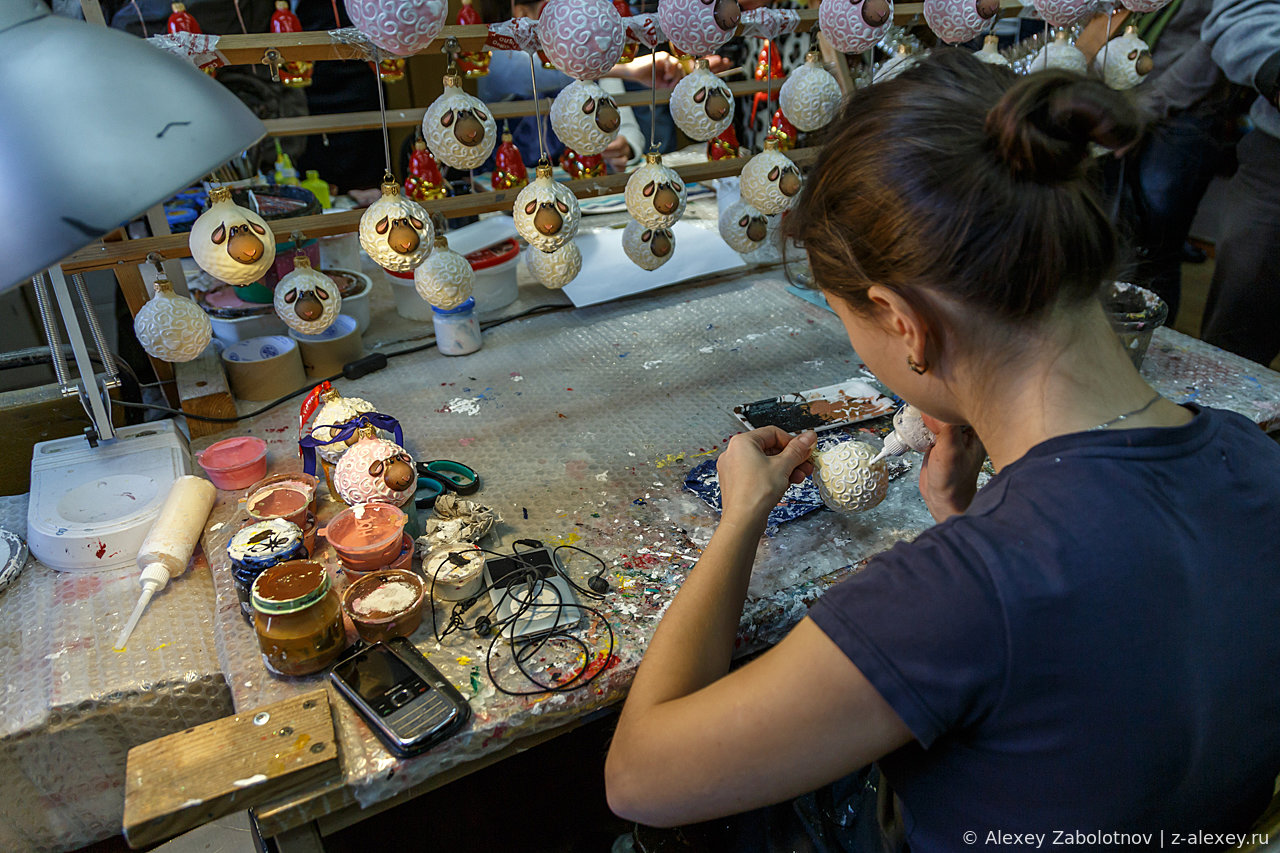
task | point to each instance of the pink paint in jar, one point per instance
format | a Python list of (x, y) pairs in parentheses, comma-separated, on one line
[(234, 463)]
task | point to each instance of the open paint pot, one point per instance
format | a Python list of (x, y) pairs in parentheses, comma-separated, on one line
[(367, 536), (1135, 313), (290, 496), (385, 604), (403, 561), (234, 463), (454, 573)]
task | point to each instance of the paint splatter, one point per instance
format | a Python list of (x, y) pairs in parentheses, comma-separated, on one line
[(467, 442), (650, 365), (516, 377), (670, 459), (525, 512), (462, 406), (603, 476)]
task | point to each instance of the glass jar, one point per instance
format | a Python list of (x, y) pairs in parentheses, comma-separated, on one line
[(298, 618), (457, 330), (260, 546)]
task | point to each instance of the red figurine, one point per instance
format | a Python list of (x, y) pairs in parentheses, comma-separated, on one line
[(509, 172), (581, 165), (783, 131), (293, 74), (724, 146), (768, 57), (472, 64), (629, 49), (391, 70), (182, 21), (424, 181)]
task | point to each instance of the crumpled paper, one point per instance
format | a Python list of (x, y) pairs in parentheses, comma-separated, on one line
[(455, 520), (200, 49)]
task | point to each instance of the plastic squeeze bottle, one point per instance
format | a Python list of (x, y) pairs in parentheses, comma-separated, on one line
[(168, 546), (909, 433)]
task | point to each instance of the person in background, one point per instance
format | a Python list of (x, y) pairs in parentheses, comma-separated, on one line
[(1243, 311), (1087, 643)]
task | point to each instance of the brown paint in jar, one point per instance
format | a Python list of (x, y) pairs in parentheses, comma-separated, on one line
[(298, 618)]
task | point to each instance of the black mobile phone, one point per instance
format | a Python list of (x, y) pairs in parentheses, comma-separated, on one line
[(405, 700)]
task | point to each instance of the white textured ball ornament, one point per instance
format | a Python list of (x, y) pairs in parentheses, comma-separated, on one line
[(1062, 13), (375, 469), (458, 128), (171, 327), (555, 269), (307, 300), (770, 182), (896, 64), (546, 213), (990, 52), (584, 117), (1124, 62), (402, 27), (648, 247), (1141, 6), (698, 27), (231, 243), (445, 279), (854, 26), (395, 231), (701, 105), (337, 410), (655, 194), (743, 227), (810, 96), (957, 21), (1060, 54), (847, 479), (583, 38)]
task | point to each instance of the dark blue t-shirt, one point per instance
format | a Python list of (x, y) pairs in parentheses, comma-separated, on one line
[(1093, 647)]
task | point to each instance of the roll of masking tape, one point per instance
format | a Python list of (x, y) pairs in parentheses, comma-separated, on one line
[(264, 368), (324, 354)]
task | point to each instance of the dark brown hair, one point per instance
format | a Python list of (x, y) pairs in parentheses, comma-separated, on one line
[(960, 177)]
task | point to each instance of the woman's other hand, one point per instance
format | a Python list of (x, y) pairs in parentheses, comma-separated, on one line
[(949, 473), (757, 467), (617, 154)]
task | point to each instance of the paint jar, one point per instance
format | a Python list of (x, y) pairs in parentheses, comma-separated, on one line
[(257, 547), (234, 463), (403, 561), (367, 536), (455, 572), (409, 304), (385, 604), (457, 330), (288, 496), (1134, 313), (495, 269), (298, 618)]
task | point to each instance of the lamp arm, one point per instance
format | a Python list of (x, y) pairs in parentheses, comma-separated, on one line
[(51, 335), (95, 399)]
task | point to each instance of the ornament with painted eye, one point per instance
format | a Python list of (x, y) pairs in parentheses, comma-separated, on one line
[(554, 269), (583, 38), (743, 227), (655, 194), (698, 27), (458, 128), (172, 327), (770, 182), (847, 479), (1062, 13), (395, 231), (584, 117), (445, 279), (701, 105), (853, 27), (648, 247), (1124, 62), (958, 21), (375, 469), (810, 95), (402, 27), (231, 243), (1059, 53), (990, 52), (306, 299), (546, 213)]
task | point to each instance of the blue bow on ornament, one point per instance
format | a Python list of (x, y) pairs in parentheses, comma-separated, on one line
[(342, 432)]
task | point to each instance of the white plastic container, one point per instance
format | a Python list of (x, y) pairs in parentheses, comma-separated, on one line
[(495, 268), (409, 304), (457, 330)]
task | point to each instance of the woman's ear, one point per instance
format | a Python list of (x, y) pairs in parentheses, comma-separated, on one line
[(904, 320)]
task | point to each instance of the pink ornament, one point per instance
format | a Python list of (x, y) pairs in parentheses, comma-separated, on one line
[(1062, 13), (698, 27), (1141, 6), (958, 21), (375, 469), (583, 38), (402, 27), (853, 26)]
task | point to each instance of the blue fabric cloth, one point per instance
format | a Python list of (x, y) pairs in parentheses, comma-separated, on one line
[(1092, 647)]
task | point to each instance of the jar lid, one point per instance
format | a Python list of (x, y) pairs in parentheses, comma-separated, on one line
[(492, 256), (264, 541), (461, 309), (290, 587)]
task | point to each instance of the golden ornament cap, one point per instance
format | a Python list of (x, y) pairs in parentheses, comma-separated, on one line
[(702, 63), (330, 395), (162, 284), (366, 431), (544, 170), (453, 81), (507, 137), (301, 262), (419, 145), (771, 143), (813, 57), (178, 7), (653, 158), (282, 5), (903, 50), (1061, 37), (390, 189), (442, 242), (217, 195), (991, 41)]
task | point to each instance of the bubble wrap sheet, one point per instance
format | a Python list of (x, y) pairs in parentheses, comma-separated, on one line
[(583, 426), (71, 706)]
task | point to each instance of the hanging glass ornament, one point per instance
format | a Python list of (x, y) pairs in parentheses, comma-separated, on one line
[(458, 128), (171, 327), (724, 146), (445, 279), (628, 47), (391, 70), (810, 96), (231, 243), (854, 27), (743, 227), (583, 38), (847, 479), (295, 74), (557, 268), (770, 182), (306, 299), (990, 52), (546, 213), (508, 166), (698, 27), (701, 105), (395, 231), (375, 469), (1141, 6), (584, 117), (424, 182), (957, 21), (655, 194), (1062, 13), (783, 131), (646, 246), (336, 411), (402, 27), (1059, 53), (182, 21), (472, 64), (896, 64), (578, 165), (1125, 61)]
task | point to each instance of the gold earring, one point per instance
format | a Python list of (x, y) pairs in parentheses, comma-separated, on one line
[(917, 369)]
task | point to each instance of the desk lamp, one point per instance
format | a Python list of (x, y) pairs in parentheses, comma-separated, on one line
[(115, 128)]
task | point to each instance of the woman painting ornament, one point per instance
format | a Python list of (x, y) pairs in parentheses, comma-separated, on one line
[(1087, 642)]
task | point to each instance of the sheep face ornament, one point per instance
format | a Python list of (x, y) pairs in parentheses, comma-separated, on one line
[(582, 38), (555, 269), (402, 27), (770, 181), (698, 27), (546, 213), (655, 194), (395, 231), (584, 117), (231, 243), (306, 299), (854, 26), (743, 227), (647, 247), (375, 469), (1124, 62), (958, 21), (458, 128), (702, 105)]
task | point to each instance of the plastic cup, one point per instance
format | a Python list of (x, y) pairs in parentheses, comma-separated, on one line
[(1134, 313), (367, 536), (234, 463), (290, 496)]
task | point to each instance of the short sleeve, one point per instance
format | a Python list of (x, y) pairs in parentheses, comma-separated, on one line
[(923, 623)]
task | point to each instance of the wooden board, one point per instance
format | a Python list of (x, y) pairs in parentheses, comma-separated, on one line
[(185, 779), (203, 389)]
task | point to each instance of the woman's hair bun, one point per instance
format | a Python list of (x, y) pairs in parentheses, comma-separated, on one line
[(1042, 126)]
